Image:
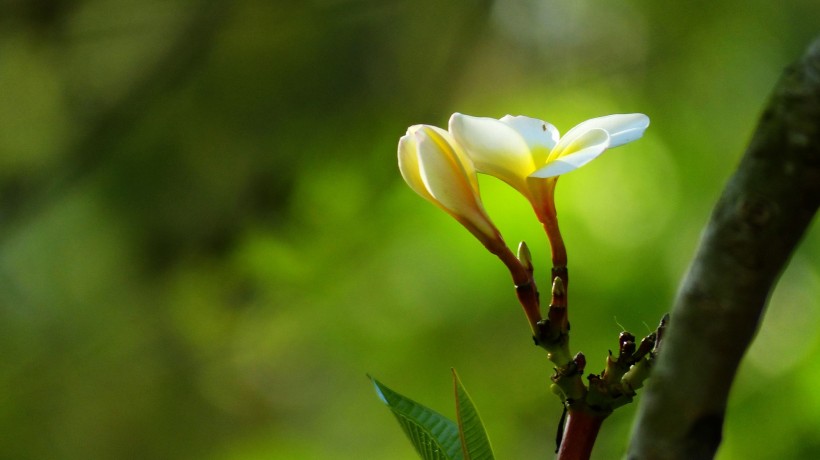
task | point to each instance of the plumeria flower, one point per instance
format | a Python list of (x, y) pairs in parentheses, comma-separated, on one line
[(529, 154), (437, 168), (520, 149)]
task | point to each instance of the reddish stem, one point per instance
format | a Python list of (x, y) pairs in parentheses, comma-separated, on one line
[(543, 201), (525, 287), (559, 251), (580, 433)]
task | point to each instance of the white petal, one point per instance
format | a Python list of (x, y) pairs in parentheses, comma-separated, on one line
[(449, 183), (432, 166), (494, 147), (580, 151), (409, 163), (463, 158), (443, 174), (622, 128), (539, 135)]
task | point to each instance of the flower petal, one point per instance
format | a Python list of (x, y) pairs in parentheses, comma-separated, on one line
[(494, 147), (622, 128), (442, 172), (447, 180), (539, 135), (409, 163), (581, 150), (445, 138)]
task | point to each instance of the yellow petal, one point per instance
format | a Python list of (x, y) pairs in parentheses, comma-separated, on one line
[(409, 163), (435, 167), (443, 174), (446, 141)]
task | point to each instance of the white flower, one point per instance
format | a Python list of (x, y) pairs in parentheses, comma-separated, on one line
[(437, 168), (524, 151)]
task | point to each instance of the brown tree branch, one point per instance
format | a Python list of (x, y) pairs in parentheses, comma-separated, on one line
[(755, 226)]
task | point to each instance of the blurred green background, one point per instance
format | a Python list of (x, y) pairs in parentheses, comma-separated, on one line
[(205, 243)]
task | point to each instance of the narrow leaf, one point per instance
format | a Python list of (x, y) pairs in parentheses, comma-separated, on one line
[(474, 440), (434, 436)]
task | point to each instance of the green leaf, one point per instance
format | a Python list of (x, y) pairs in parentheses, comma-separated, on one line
[(434, 436), (474, 440)]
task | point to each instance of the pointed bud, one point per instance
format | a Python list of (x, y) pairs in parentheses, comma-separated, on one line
[(580, 362), (647, 344), (626, 346), (525, 257), (625, 338), (558, 287)]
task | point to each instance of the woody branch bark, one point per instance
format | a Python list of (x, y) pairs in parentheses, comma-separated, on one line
[(758, 221)]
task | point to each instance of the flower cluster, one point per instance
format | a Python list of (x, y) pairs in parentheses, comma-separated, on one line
[(527, 153)]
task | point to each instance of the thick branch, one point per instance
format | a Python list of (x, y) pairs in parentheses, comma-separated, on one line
[(755, 226), (580, 433)]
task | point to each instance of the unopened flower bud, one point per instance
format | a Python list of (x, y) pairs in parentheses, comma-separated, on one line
[(525, 256)]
